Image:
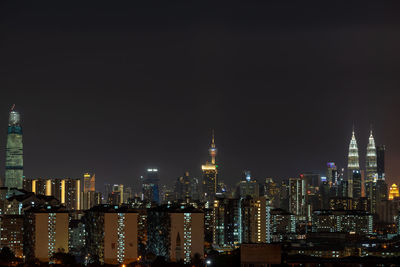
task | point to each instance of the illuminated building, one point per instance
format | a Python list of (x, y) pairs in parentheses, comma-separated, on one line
[(183, 187), (282, 225), (150, 186), (112, 234), (227, 223), (189, 225), (357, 183), (253, 216), (380, 162), (89, 182), (347, 221), (175, 233), (115, 194), (371, 163), (46, 231), (297, 196), (77, 237), (272, 192), (332, 173), (248, 186), (67, 190), (340, 203), (353, 163), (14, 152), (89, 197), (393, 192), (195, 189), (210, 174), (12, 227)]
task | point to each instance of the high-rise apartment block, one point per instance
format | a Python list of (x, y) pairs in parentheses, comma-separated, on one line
[(46, 232)]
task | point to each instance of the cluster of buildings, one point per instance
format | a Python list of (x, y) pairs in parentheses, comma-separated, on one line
[(310, 215)]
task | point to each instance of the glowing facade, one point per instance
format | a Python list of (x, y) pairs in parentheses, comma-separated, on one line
[(353, 163), (394, 192), (371, 165), (14, 152), (210, 173)]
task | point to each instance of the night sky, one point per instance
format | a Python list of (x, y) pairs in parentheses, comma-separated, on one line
[(114, 88)]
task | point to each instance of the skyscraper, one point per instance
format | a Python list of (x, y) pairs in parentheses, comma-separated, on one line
[(297, 196), (210, 173), (332, 173), (353, 162), (89, 196), (380, 162), (371, 165), (150, 186), (14, 152)]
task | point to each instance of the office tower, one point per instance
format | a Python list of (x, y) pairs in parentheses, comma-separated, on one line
[(380, 162), (11, 230), (254, 214), (89, 182), (227, 224), (371, 162), (150, 186), (195, 189), (248, 187), (176, 234), (312, 179), (297, 196), (353, 162), (272, 192), (210, 174), (332, 173), (183, 187), (116, 196), (128, 194), (112, 234), (89, 191), (71, 189), (46, 231), (14, 152), (357, 184)]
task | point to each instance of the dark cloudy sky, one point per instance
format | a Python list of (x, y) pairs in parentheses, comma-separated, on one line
[(114, 88)]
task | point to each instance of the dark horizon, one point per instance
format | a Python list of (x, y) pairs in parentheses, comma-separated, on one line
[(117, 89)]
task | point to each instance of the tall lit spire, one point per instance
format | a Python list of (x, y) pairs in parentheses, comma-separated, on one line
[(213, 149), (353, 159), (14, 151), (371, 166)]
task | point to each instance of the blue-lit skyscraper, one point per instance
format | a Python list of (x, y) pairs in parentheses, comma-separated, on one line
[(14, 152), (150, 186)]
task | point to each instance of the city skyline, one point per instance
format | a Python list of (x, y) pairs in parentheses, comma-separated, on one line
[(212, 151)]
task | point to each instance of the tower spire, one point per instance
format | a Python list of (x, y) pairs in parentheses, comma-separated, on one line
[(213, 149)]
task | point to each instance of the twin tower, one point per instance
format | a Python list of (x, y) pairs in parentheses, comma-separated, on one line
[(372, 174)]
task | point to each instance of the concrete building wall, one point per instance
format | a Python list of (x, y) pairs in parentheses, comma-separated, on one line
[(41, 236), (110, 238), (62, 232), (131, 237)]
